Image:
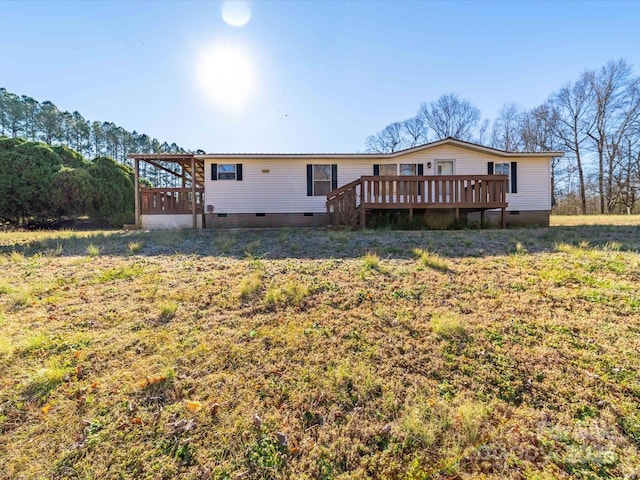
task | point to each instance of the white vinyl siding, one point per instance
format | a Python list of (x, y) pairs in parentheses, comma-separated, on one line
[(276, 185), (279, 185)]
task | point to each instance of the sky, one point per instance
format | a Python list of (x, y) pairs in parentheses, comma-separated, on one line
[(299, 76)]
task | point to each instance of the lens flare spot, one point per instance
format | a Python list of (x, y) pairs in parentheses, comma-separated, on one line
[(236, 13)]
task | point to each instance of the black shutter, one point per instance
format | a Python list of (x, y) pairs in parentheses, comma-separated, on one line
[(514, 177), (309, 180), (334, 176), (376, 170), (489, 168), (421, 169), (238, 171), (214, 171)]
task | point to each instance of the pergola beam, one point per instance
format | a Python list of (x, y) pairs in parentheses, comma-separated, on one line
[(168, 170)]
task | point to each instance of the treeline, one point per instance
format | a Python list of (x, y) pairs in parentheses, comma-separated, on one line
[(595, 120), (24, 117), (42, 183)]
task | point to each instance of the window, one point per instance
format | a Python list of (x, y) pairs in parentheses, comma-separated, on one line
[(391, 169), (408, 169), (321, 180), (388, 169), (445, 167), (226, 171), (508, 169), (404, 169), (503, 169)]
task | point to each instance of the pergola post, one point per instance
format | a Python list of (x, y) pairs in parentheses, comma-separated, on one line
[(193, 192), (137, 192)]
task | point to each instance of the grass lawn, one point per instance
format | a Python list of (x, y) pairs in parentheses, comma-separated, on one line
[(315, 354)]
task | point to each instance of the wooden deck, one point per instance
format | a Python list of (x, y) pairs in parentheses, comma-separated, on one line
[(348, 204)]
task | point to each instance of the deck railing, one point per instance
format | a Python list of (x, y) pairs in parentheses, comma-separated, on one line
[(446, 191), (170, 200), (470, 192)]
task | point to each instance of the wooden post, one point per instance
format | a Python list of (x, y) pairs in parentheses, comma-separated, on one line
[(504, 218), (411, 214), (328, 215), (193, 192), (363, 217), (481, 218), (137, 193)]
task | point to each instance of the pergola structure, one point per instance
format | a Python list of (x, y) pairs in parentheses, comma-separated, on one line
[(187, 199)]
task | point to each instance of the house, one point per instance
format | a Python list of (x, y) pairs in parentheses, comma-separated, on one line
[(448, 179)]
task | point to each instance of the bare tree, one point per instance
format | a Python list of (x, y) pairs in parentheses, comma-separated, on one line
[(450, 116), (570, 111), (506, 131), (536, 131), (617, 106), (483, 132), (387, 140), (415, 131)]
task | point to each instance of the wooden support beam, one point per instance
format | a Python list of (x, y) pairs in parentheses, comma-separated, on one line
[(168, 170), (504, 218), (137, 193), (328, 215), (481, 218), (193, 193)]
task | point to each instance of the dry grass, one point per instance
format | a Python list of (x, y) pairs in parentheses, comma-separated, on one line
[(318, 355), (572, 220)]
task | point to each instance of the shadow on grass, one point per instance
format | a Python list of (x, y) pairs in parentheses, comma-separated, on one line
[(320, 243)]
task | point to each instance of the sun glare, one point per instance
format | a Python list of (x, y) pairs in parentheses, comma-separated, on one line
[(226, 76), (236, 13)]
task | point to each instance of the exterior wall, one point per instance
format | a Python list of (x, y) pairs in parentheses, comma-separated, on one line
[(279, 185), (169, 221), (534, 177), (242, 220), (275, 185)]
